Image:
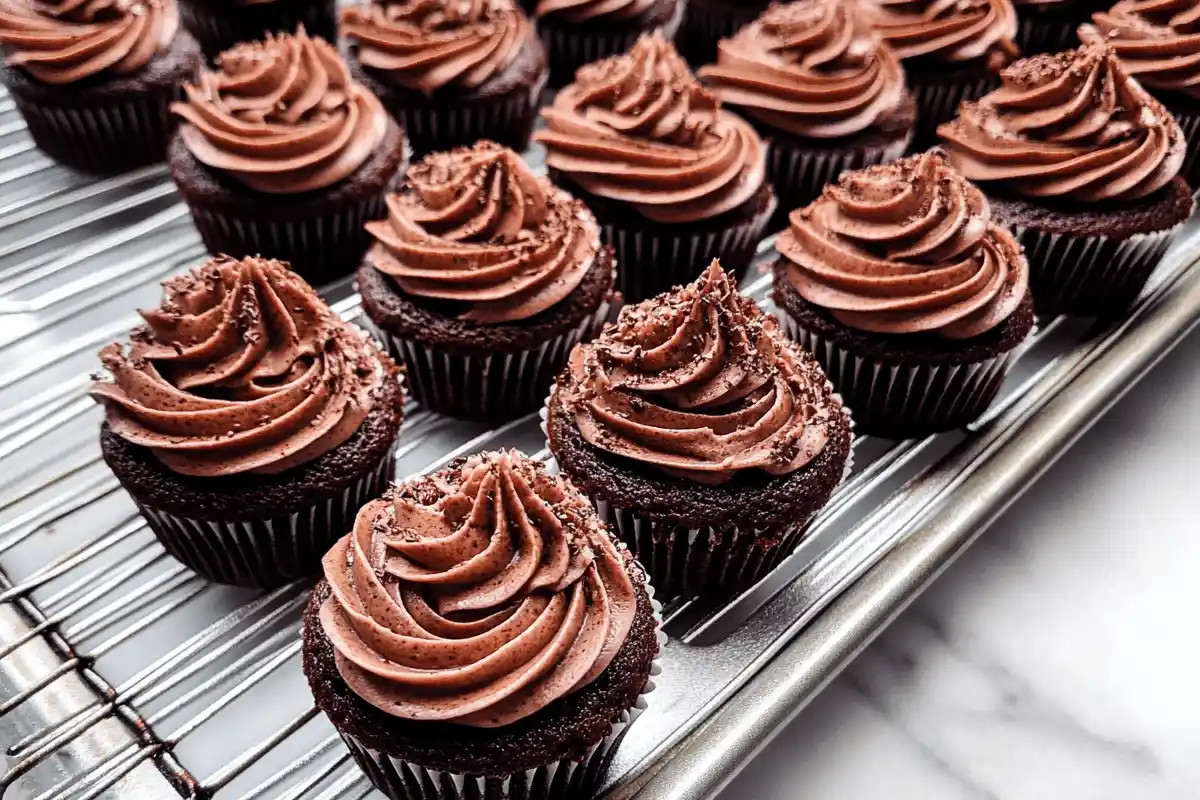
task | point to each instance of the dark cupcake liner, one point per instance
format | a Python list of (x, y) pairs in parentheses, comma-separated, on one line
[(651, 261), (491, 385), (271, 552), (906, 401), (321, 249), (1090, 276), (706, 24), (566, 779), (684, 562), (1189, 122), (1046, 33), (571, 45), (218, 30), (110, 137), (938, 103), (506, 120), (799, 175)]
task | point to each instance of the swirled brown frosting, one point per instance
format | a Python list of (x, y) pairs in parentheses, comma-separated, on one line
[(1072, 124), (478, 596), (65, 41), (814, 68), (1158, 41), (639, 128), (428, 44), (602, 11), (948, 30), (281, 116), (475, 225), (700, 383), (906, 247), (243, 369)]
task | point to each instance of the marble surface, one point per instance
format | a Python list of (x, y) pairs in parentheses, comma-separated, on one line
[(1056, 659)]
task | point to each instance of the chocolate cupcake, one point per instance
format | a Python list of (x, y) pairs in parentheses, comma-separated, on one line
[(675, 180), (951, 52), (1158, 41), (911, 296), (482, 278), (479, 634), (703, 436), (221, 24), (578, 32), (248, 422), (94, 80), (452, 73), (826, 94), (707, 22), (282, 154), (1083, 164)]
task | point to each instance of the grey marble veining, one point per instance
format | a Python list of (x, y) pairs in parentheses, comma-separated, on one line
[(1056, 660)]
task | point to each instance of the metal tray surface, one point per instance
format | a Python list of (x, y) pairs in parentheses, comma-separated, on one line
[(124, 675)]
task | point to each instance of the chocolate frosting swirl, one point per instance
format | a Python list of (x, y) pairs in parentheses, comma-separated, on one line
[(906, 247), (639, 128), (1158, 41), (477, 596), (242, 369), (700, 383), (814, 68), (948, 30), (281, 116), (65, 41), (428, 44), (604, 11), (1071, 125), (476, 226)]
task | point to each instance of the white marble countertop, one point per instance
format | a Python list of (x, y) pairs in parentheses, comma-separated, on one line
[(1057, 659)]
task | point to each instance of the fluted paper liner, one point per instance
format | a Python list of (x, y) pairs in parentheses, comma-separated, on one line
[(938, 103), (799, 175), (272, 552), (1043, 33), (704, 27), (1090, 276), (218, 31), (705, 561), (566, 779), (570, 45), (491, 385)]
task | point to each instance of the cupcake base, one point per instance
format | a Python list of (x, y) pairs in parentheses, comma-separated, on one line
[(220, 24), (488, 372), (1186, 111), (653, 257), (502, 110), (939, 88), (693, 539), (800, 168), (707, 22), (573, 44), (905, 387), (556, 754), (1093, 261), (107, 126), (320, 234), (262, 530)]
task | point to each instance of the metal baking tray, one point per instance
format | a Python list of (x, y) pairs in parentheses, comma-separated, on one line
[(124, 675)]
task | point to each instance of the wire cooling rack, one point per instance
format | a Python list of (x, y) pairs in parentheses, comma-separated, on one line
[(124, 675)]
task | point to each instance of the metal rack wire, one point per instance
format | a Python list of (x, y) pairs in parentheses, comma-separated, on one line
[(124, 675)]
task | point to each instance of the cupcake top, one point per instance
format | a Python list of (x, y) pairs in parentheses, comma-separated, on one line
[(1158, 41), (428, 44), (242, 369), (478, 595), (1072, 125), (948, 30), (906, 247), (66, 41), (475, 226), (814, 68), (281, 116), (605, 11), (639, 128), (702, 384)]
